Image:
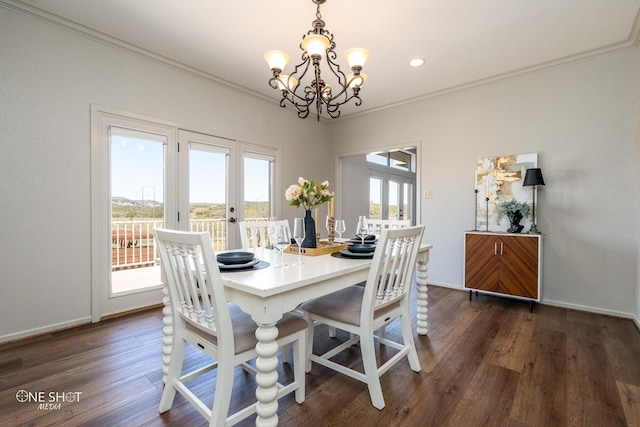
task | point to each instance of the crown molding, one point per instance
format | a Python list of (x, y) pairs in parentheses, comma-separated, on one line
[(119, 44), (116, 43), (557, 63)]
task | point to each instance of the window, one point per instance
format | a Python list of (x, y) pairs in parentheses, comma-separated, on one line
[(137, 206), (132, 161), (258, 186), (375, 198), (397, 159)]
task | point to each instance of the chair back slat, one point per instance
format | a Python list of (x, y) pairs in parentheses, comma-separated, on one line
[(193, 278), (255, 234), (392, 268), (377, 225)]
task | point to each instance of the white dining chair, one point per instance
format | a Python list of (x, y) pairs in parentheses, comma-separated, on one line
[(203, 318), (255, 234), (377, 225), (361, 310)]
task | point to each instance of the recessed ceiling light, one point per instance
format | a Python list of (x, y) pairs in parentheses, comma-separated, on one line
[(416, 62)]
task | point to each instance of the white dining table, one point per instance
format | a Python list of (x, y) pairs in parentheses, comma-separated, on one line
[(267, 293)]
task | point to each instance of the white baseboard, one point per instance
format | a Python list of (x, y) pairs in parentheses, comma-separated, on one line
[(44, 329), (445, 285), (563, 305), (589, 309)]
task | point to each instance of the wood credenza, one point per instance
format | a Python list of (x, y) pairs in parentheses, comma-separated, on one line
[(503, 264)]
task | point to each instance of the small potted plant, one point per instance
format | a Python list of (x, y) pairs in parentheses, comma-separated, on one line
[(515, 211)]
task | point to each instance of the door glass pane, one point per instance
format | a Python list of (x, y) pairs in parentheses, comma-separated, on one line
[(375, 198), (257, 189), (208, 193), (137, 195), (394, 197), (400, 160), (378, 158), (407, 207)]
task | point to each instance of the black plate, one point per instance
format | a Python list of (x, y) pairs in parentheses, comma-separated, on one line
[(237, 267), (361, 249), (370, 237), (230, 258), (359, 241), (349, 254)]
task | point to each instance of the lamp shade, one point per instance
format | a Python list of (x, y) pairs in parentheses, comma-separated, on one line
[(315, 44), (287, 82), (533, 177), (356, 57), (276, 59)]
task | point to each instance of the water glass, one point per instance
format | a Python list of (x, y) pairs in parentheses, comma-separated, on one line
[(298, 236), (281, 239), (363, 227), (340, 228)]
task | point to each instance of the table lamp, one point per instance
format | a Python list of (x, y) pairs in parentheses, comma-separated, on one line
[(533, 178)]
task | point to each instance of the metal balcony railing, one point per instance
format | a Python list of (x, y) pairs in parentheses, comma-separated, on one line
[(132, 243)]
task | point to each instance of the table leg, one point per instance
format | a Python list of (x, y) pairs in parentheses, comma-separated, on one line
[(267, 376), (167, 332), (421, 300)]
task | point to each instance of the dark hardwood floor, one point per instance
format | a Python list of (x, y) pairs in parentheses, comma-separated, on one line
[(486, 362)]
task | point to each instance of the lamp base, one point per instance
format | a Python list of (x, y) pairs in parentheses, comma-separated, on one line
[(534, 229)]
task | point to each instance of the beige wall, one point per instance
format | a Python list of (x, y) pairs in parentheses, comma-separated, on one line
[(50, 78), (581, 120)]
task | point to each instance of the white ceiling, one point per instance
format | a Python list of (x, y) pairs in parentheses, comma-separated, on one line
[(462, 41)]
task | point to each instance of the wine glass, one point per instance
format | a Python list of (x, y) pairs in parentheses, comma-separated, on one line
[(340, 228), (281, 239), (271, 229), (363, 227), (298, 236)]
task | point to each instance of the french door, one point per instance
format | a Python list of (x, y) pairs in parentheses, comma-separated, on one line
[(391, 196), (147, 173), (208, 187), (132, 161), (224, 181)]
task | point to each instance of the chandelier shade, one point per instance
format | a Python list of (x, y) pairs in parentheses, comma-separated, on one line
[(326, 93), (276, 59), (315, 44), (287, 82), (356, 57)]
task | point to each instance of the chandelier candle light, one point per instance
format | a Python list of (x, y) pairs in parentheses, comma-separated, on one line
[(316, 45)]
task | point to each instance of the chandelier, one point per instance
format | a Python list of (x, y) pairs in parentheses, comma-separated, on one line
[(317, 45)]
